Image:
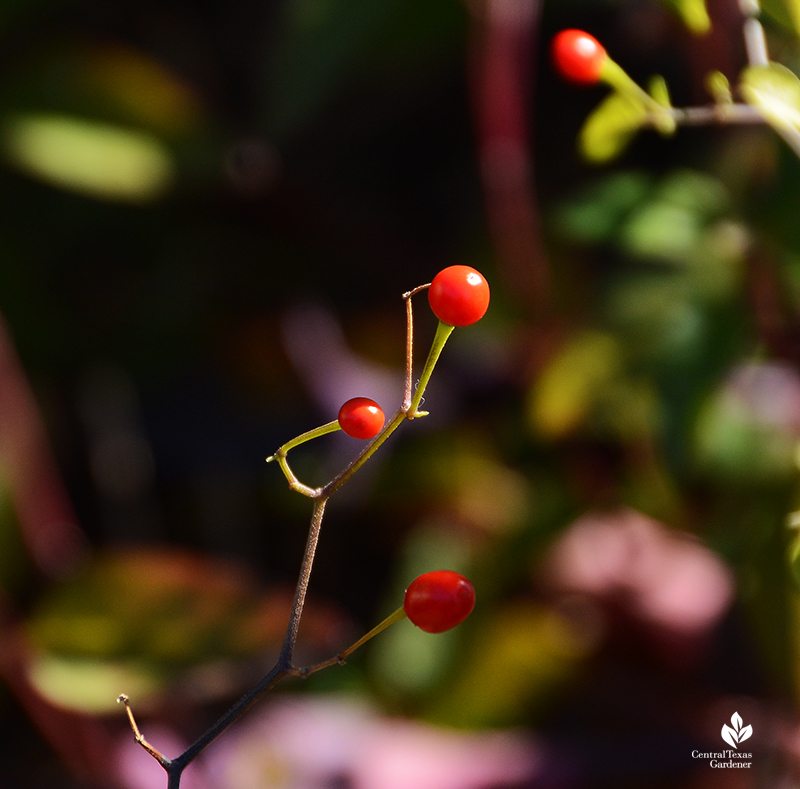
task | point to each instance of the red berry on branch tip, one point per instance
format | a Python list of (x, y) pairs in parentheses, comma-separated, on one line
[(439, 600), (578, 56), (361, 417), (459, 295)]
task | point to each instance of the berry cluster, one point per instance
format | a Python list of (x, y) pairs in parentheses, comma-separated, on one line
[(435, 601)]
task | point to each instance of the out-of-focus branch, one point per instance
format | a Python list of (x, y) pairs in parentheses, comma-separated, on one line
[(48, 524), (501, 68)]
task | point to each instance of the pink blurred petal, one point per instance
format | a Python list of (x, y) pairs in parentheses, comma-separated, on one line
[(308, 742), (663, 577)]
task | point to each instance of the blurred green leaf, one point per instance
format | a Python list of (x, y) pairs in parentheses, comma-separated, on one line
[(594, 216), (693, 13), (524, 654), (735, 441), (611, 127), (90, 686), (669, 226), (656, 316), (661, 231), (95, 159), (775, 91), (463, 473), (695, 190), (785, 12), (719, 87), (148, 615), (572, 381), (659, 90)]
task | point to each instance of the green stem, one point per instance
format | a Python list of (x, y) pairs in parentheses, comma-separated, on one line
[(322, 430), (365, 455), (443, 331), (396, 616), (280, 456)]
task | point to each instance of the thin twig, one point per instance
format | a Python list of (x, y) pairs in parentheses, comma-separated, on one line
[(156, 754), (303, 581), (339, 659), (284, 666), (407, 296)]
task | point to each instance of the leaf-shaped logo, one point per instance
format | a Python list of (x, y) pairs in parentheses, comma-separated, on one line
[(733, 736), (729, 735)]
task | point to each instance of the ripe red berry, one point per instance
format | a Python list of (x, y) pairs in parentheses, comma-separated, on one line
[(459, 295), (361, 418), (439, 601), (578, 56)]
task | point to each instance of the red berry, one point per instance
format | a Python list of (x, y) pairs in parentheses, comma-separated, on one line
[(438, 601), (361, 418), (459, 295), (578, 56)]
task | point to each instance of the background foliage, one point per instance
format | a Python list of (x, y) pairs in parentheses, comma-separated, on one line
[(210, 211)]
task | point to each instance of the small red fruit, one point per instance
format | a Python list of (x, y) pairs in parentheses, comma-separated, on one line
[(361, 418), (439, 601), (459, 295), (578, 56)]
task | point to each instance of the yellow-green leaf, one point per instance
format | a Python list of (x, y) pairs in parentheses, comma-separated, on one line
[(610, 128), (775, 91), (99, 160), (718, 86), (785, 12), (570, 384), (659, 90), (693, 14), (529, 652)]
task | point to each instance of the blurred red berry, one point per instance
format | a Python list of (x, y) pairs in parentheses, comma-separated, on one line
[(578, 56)]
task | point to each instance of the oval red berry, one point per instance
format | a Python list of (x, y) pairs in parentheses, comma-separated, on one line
[(459, 295), (361, 418), (438, 601), (578, 56)]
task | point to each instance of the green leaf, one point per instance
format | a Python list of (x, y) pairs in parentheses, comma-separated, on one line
[(775, 91), (785, 12), (528, 651), (594, 216), (99, 160), (134, 621), (611, 127), (659, 90), (693, 14), (572, 382), (718, 86)]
